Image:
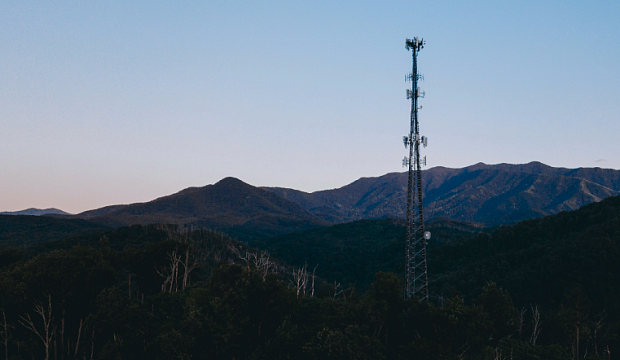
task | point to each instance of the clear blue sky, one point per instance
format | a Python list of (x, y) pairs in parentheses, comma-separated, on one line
[(107, 102)]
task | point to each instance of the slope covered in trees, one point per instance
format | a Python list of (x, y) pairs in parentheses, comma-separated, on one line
[(352, 253), (538, 260), (541, 260), (23, 230), (230, 205), (135, 293)]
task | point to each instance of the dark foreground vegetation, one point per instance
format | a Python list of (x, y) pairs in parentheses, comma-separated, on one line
[(542, 289), (152, 293)]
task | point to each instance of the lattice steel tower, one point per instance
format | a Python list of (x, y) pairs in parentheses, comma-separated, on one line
[(416, 277)]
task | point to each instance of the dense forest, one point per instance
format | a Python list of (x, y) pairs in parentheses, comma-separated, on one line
[(542, 289), (352, 253)]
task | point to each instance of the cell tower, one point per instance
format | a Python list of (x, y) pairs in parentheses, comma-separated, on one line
[(416, 277)]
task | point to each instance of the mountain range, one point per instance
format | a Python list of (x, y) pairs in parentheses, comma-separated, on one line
[(230, 205), (487, 195), (36, 212)]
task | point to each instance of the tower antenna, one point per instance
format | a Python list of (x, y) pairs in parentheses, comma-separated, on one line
[(416, 276)]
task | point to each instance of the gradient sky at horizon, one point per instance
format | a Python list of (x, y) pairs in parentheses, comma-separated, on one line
[(108, 102)]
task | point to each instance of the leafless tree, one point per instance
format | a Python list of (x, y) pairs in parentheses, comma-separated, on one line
[(608, 353), (521, 321), (77, 342), (300, 280), (245, 257), (336, 291), (192, 261), (313, 277), (92, 345), (171, 273), (6, 333), (597, 326), (535, 324), (46, 334), (497, 354), (263, 264)]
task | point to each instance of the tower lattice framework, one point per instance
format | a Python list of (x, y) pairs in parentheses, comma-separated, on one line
[(416, 276)]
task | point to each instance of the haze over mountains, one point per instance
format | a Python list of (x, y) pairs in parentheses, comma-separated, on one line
[(484, 194)]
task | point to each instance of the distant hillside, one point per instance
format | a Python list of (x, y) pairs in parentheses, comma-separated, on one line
[(352, 253), (36, 212), (23, 230), (487, 194), (539, 261), (232, 206)]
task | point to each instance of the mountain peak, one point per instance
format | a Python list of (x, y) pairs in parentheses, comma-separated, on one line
[(230, 181), (229, 205)]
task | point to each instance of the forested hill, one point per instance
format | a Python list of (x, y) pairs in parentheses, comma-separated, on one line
[(230, 205), (352, 253), (488, 194), (154, 293), (538, 261), (26, 230)]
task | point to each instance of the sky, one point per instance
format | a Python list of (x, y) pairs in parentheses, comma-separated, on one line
[(115, 102)]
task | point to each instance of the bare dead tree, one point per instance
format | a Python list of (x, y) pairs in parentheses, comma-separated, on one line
[(597, 326), (300, 280), (190, 264), (77, 342), (6, 333), (521, 321), (535, 324), (245, 257), (171, 273), (62, 336), (263, 264), (92, 345), (46, 335), (336, 292), (608, 353), (461, 356), (313, 277), (497, 354), (576, 344)]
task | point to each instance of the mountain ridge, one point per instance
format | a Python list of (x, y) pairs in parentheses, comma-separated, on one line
[(36, 212), (480, 193), (228, 205), (488, 195)]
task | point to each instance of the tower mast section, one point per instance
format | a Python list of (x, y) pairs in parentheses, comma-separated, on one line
[(416, 276)]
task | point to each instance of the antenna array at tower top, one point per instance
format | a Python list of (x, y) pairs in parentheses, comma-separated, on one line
[(415, 43)]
